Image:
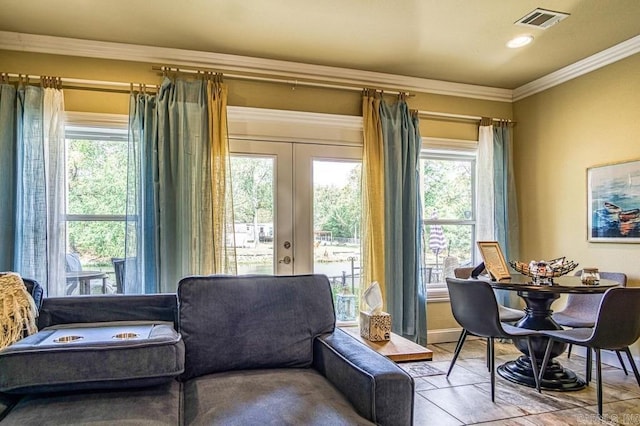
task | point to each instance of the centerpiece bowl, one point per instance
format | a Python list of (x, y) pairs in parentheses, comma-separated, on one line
[(543, 272)]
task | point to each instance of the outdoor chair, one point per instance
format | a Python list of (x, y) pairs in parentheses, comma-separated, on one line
[(616, 327), (581, 309), (79, 278), (475, 308), (506, 315), (72, 264), (120, 266)]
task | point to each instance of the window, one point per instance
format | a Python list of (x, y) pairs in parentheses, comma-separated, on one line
[(96, 184), (448, 203)]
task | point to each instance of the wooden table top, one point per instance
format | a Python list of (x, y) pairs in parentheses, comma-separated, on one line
[(397, 349)]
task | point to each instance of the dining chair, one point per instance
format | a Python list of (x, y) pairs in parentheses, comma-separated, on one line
[(506, 315), (581, 309), (475, 308), (616, 327)]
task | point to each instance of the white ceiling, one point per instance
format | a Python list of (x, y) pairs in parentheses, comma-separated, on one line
[(450, 40)]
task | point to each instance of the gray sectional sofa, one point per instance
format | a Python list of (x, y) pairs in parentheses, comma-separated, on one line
[(225, 350)]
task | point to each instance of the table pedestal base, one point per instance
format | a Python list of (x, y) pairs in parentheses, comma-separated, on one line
[(556, 377)]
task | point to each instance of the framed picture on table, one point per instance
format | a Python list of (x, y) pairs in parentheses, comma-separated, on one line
[(613, 203), (493, 258)]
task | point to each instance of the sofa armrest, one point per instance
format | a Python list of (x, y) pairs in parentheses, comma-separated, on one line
[(378, 389), (104, 308)]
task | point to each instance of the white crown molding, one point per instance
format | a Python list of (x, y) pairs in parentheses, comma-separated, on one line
[(243, 64), (294, 70), (592, 63)]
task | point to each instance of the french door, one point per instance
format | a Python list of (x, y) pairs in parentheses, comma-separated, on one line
[(297, 208)]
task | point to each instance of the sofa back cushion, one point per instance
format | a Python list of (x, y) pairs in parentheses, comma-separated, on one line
[(246, 322), (108, 307)]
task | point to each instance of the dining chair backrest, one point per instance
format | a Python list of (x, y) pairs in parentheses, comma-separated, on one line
[(618, 323), (588, 303), (474, 306)]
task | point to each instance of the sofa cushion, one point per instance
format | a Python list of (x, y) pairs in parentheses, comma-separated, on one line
[(241, 322), (267, 397), (157, 405), (108, 355)]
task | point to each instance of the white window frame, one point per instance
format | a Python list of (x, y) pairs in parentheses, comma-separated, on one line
[(452, 149)]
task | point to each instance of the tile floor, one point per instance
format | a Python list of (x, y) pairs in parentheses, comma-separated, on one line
[(464, 398)]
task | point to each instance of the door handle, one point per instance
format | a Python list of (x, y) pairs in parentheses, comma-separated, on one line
[(286, 260)]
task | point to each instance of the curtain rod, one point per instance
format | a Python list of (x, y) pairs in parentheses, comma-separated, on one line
[(293, 83), (125, 88), (457, 117), (429, 114), (90, 85)]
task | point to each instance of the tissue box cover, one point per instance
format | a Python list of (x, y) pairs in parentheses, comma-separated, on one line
[(375, 327)]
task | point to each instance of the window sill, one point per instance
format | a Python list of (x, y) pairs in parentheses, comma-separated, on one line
[(437, 293)]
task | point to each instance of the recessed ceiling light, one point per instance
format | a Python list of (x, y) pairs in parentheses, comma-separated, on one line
[(520, 41)]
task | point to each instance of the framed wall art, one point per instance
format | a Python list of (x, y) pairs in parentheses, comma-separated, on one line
[(613, 203), (494, 261)]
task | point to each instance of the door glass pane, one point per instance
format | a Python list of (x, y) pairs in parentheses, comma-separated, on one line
[(253, 195), (336, 225)]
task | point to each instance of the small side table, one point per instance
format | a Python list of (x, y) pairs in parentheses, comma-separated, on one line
[(397, 349)]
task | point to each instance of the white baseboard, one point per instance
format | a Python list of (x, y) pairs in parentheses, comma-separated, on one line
[(445, 335)]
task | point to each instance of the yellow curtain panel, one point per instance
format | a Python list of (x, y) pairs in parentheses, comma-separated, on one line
[(223, 255), (372, 195)]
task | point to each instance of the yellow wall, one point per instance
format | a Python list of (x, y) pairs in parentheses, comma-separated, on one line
[(589, 121)]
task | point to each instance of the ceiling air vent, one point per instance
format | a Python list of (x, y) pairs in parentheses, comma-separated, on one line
[(541, 18)]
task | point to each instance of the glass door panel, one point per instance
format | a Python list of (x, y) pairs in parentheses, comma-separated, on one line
[(261, 181), (297, 210), (336, 229), (253, 207), (327, 219)]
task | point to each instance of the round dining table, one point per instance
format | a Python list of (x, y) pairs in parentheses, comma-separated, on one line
[(538, 316)]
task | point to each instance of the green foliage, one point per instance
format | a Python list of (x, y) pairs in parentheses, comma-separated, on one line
[(447, 194), (253, 192), (97, 178), (447, 189), (337, 209), (97, 182)]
